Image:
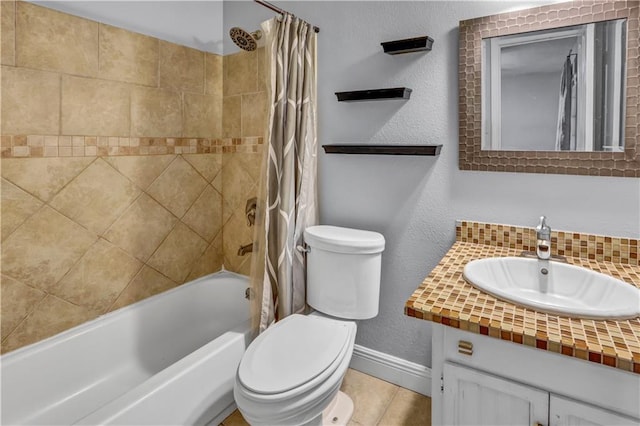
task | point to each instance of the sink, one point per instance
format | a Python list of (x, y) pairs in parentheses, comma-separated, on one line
[(554, 287)]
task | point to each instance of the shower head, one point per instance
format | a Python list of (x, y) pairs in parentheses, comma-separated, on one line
[(245, 40)]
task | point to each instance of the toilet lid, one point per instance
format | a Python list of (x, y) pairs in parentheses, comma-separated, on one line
[(291, 353)]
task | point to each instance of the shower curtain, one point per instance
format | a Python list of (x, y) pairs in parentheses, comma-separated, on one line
[(288, 192), (567, 105)]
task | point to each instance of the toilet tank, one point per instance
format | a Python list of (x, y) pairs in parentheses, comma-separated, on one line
[(343, 271)]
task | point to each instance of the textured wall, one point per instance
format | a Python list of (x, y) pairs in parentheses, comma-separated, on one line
[(414, 202), (111, 169)]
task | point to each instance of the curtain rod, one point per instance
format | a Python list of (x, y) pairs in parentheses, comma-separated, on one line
[(278, 10)]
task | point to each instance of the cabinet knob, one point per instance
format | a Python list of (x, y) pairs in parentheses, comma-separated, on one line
[(465, 348), (538, 424)]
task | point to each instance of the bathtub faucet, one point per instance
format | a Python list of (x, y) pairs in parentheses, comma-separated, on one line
[(245, 249)]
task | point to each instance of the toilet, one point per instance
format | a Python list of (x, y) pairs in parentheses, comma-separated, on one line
[(291, 373)]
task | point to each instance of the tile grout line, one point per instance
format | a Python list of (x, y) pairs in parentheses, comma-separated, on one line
[(386, 408)]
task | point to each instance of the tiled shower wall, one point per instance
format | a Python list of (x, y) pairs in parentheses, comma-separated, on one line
[(244, 107), (115, 161)]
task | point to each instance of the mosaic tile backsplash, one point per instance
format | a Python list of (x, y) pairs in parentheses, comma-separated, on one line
[(127, 162), (446, 298)]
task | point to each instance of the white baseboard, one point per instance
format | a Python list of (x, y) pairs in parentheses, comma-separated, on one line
[(392, 369)]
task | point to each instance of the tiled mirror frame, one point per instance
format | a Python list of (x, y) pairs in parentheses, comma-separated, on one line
[(472, 31)]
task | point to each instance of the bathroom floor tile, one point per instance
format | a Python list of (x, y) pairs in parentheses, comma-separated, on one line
[(371, 396), (235, 419), (407, 408), (377, 403)]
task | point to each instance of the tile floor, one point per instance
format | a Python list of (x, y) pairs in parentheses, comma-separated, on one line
[(377, 403)]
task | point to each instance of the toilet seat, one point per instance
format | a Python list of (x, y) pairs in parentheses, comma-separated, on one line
[(293, 356)]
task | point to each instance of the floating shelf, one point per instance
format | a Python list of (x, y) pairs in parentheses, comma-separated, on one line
[(374, 94), (384, 149), (416, 44)]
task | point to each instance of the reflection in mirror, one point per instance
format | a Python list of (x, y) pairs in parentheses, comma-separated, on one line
[(555, 90)]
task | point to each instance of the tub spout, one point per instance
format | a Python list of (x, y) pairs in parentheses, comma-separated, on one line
[(248, 248)]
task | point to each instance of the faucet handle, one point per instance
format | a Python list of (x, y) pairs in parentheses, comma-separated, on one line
[(543, 230)]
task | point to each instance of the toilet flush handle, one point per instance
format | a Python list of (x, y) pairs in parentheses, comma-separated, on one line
[(303, 248)]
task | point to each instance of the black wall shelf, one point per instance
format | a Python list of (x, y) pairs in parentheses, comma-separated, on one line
[(416, 44), (374, 94), (431, 150)]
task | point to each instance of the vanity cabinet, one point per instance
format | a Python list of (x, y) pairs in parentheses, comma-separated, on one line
[(472, 397), (482, 380), (566, 412)]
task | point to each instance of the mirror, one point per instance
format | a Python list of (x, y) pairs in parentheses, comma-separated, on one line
[(552, 89), (555, 90)]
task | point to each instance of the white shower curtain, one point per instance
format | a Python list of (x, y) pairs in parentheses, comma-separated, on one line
[(288, 193)]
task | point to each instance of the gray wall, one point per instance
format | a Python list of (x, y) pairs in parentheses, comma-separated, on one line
[(414, 202), (530, 111)]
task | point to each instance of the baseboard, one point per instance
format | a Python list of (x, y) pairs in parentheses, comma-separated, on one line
[(392, 369)]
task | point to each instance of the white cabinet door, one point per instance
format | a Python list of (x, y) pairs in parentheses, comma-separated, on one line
[(475, 398), (567, 412)]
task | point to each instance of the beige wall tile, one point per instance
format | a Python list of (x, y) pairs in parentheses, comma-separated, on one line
[(148, 282), (30, 101), (213, 74), (177, 187), (43, 177), (202, 116), (94, 107), (237, 183), (205, 215), (232, 117), (52, 316), (17, 206), (370, 396), (245, 266), (251, 162), (181, 67), (8, 32), (128, 56), (208, 165), (44, 248), (240, 73), (254, 114), (178, 253), (262, 69), (141, 229), (18, 300), (217, 182), (97, 197), (141, 169), (51, 40), (98, 278), (235, 233), (210, 261), (408, 409), (227, 210), (155, 113)]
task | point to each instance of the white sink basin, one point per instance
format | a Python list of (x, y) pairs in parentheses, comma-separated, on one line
[(554, 287)]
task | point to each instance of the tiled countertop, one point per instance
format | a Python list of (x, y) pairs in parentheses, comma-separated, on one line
[(446, 298)]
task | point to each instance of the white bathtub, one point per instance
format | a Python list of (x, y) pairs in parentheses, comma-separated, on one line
[(167, 360)]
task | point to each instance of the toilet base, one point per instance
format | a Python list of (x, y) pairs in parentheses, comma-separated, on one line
[(339, 411)]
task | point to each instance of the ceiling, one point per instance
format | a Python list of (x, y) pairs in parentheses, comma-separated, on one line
[(196, 24)]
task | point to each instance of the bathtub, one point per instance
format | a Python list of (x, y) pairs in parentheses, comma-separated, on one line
[(169, 359)]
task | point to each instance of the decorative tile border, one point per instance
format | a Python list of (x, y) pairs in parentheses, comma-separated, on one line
[(587, 246), (37, 146), (446, 298), (472, 157)]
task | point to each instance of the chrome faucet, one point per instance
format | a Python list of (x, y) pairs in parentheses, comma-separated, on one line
[(543, 236)]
